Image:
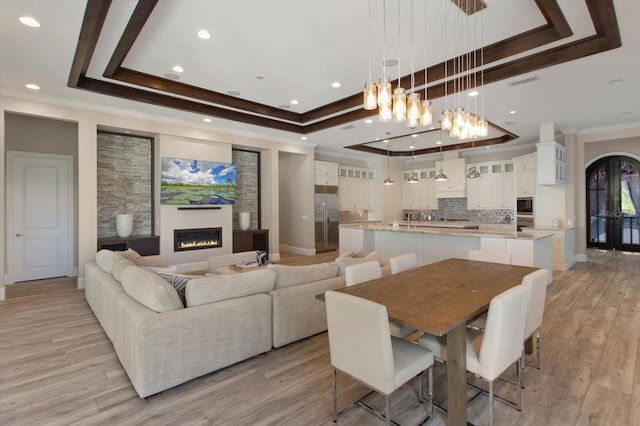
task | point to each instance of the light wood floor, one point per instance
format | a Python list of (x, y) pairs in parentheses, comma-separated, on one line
[(58, 368)]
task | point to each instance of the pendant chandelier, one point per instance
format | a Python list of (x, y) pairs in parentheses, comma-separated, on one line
[(441, 177), (398, 105), (388, 180), (473, 172), (461, 123)]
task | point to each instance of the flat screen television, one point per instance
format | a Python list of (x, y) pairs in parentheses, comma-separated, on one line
[(197, 182)]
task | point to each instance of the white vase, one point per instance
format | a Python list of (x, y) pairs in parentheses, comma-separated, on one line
[(244, 219), (124, 225)]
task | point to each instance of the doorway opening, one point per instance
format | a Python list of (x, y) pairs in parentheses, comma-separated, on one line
[(613, 201)]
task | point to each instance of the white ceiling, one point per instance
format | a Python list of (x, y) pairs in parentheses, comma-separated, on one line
[(299, 47)]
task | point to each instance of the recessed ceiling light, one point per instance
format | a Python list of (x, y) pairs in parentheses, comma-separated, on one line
[(439, 143), (390, 63), (177, 68), (368, 121), (335, 84), (233, 93), (512, 111), (294, 102), (303, 138), (415, 135), (386, 141), (488, 147), (29, 21), (206, 120), (171, 76), (617, 80), (411, 146), (508, 123), (32, 86), (625, 113), (285, 106), (204, 34), (259, 77), (473, 93)]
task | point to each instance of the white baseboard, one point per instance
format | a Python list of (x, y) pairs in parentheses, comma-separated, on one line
[(304, 251), (80, 283), (74, 272), (274, 256), (581, 257), (285, 248), (2, 293)]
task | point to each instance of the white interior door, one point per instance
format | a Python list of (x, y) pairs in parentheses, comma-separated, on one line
[(39, 189)]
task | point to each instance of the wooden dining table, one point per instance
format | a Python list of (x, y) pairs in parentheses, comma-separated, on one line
[(439, 299)]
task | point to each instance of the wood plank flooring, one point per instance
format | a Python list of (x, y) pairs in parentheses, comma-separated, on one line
[(57, 367)]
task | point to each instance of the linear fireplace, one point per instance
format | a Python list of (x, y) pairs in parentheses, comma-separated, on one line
[(196, 239)]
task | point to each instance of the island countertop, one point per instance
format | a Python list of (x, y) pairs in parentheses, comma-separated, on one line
[(422, 229)]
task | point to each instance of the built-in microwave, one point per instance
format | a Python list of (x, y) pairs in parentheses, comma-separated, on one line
[(524, 206)]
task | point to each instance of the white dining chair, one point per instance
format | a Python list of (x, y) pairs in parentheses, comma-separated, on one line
[(492, 352), (362, 348), (361, 272), (537, 283), (403, 262), (367, 271), (490, 256)]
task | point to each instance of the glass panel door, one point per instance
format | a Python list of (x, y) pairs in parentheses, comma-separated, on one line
[(613, 197)]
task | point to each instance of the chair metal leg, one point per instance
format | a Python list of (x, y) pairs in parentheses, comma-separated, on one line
[(431, 391), (491, 403), (335, 396), (538, 349), (388, 410), (519, 386)]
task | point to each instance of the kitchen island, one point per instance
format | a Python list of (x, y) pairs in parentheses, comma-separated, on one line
[(435, 243)]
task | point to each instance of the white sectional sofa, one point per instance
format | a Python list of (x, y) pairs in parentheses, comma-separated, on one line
[(227, 319)]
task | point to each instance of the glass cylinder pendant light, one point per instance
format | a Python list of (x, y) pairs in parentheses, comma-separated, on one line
[(370, 96), (369, 93), (446, 120), (384, 113), (426, 113), (388, 181), (399, 105), (413, 110), (384, 92)]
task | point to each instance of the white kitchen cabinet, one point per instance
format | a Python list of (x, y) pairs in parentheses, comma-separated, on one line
[(456, 184), (551, 164), (502, 185), (356, 190), (326, 173), (479, 189), (525, 175), (420, 195)]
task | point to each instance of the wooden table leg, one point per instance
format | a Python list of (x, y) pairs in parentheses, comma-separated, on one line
[(457, 376)]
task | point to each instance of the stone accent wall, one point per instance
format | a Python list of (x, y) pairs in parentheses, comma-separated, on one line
[(247, 186), (124, 182), (456, 209)]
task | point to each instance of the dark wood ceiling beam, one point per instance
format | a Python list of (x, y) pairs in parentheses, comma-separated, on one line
[(160, 99), (136, 23), (182, 89), (92, 23)]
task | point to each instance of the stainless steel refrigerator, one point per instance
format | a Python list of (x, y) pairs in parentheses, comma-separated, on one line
[(326, 218)]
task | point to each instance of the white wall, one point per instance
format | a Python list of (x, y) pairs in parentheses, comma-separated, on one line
[(88, 122)]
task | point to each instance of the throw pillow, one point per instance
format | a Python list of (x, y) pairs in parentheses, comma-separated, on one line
[(121, 266), (107, 259), (133, 256), (343, 262), (179, 282), (150, 290)]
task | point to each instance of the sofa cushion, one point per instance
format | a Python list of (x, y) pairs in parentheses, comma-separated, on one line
[(343, 262), (150, 289), (121, 266), (178, 281), (133, 256), (162, 269), (106, 260), (289, 276), (215, 288)]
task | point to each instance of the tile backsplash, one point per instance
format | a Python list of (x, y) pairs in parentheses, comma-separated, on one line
[(456, 209)]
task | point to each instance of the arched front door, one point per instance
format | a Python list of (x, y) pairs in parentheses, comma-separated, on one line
[(613, 202)]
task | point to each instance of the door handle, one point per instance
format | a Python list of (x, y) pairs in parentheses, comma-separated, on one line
[(19, 235)]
